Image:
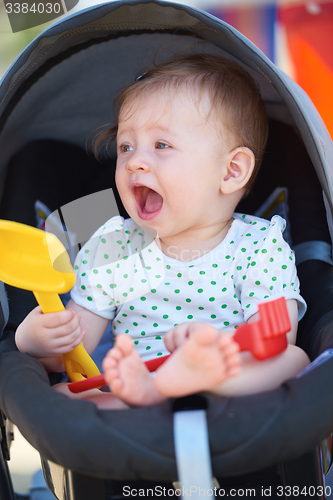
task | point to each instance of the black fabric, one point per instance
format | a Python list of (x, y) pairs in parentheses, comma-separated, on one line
[(315, 333), (7, 343), (287, 164)]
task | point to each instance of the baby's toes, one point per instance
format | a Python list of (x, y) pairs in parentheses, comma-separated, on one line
[(125, 344), (116, 385), (227, 345), (109, 362), (233, 364), (203, 333), (111, 375), (224, 341), (233, 370), (115, 354)]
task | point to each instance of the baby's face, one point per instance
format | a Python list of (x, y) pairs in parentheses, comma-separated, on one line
[(169, 165)]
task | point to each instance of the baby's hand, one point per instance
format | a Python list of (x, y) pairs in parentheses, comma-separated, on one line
[(49, 335), (178, 334)]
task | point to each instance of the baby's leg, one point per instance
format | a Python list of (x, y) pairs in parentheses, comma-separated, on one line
[(259, 376), (205, 360), (128, 376)]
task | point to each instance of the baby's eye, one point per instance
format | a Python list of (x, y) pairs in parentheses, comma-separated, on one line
[(162, 145), (124, 148)]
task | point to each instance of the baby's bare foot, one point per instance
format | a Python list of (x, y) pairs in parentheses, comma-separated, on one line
[(202, 363), (127, 375)]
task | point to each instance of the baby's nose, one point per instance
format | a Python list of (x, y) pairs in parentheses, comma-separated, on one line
[(138, 163)]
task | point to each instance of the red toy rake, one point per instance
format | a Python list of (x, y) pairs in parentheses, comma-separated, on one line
[(267, 336)]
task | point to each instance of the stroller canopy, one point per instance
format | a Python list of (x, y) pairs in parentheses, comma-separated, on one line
[(61, 88)]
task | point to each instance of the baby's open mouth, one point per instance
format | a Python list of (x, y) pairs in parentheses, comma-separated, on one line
[(148, 201)]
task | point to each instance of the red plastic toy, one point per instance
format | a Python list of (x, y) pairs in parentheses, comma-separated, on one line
[(267, 336), (263, 338)]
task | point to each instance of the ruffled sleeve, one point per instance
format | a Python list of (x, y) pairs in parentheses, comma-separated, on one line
[(268, 266)]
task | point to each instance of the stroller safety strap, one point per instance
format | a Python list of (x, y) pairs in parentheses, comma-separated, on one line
[(313, 250), (192, 453)]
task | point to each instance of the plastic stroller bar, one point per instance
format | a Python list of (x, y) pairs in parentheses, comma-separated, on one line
[(263, 338)]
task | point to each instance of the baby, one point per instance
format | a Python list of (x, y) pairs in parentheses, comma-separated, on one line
[(185, 270)]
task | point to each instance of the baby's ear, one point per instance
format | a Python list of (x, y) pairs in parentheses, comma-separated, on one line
[(237, 170)]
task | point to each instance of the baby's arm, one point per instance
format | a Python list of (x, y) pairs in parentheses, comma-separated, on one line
[(48, 336)]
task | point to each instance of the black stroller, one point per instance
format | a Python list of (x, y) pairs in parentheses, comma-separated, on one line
[(56, 93)]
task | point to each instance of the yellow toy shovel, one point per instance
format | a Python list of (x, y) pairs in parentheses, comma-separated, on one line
[(35, 260)]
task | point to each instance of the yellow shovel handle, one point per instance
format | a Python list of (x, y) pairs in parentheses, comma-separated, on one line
[(77, 362), (49, 302)]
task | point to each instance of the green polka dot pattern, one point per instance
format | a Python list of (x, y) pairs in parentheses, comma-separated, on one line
[(124, 276)]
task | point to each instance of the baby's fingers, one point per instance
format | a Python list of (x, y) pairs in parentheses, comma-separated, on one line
[(71, 341), (76, 343), (169, 341), (65, 345), (71, 329), (176, 336), (67, 317)]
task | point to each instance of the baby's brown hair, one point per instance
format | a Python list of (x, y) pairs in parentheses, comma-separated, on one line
[(235, 99)]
